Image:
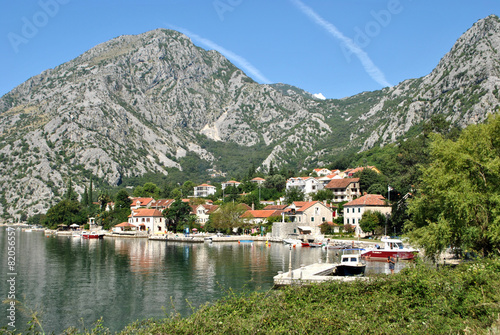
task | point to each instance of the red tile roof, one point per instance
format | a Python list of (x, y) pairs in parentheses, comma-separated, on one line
[(142, 201), (261, 213), (275, 207), (341, 183), (368, 200), (163, 203), (145, 212)]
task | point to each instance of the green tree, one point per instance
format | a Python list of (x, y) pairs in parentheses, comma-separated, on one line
[(177, 215), (458, 200), (36, 220), (294, 194), (65, 212), (122, 200), (85, 197), (276, 181), (371, 221), (227, 217), (91, 194), (368, 178), (103, 200), (70, 192), (323, 195)]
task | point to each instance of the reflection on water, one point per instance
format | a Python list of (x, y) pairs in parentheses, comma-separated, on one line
[(124, 280)]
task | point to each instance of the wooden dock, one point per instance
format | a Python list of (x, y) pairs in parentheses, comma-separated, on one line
[(312, 274)]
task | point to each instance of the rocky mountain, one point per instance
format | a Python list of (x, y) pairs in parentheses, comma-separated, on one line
[(156, 103)]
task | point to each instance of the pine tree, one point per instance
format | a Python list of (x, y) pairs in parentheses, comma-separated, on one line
[(85, 197), (91, 197)]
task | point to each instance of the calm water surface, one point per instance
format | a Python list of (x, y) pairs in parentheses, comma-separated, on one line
[(70, 281)]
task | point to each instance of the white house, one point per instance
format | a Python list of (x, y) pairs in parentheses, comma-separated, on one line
[(203, 212), (344, 189), (204, 190), (322, 172), (308, 185), (147, 219), (305, 219), (230, 183), (353, 210), (258, 180)]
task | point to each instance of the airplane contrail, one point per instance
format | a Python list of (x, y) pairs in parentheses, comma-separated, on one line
[(235, 58), (373, 71)]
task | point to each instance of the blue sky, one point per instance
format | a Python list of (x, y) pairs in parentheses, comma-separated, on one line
[(337, 47)]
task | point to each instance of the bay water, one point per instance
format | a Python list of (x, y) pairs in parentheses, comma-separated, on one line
[(68, 281)]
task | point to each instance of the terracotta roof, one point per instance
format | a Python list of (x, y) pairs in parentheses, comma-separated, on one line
[(125, 224), (307, 205), (145, 212), (209, 208), (275, 207), (205, 185), (163, 202), (261, 213), (245, 206), (341, 183), (257, 178), (368, 200), (142, 201)]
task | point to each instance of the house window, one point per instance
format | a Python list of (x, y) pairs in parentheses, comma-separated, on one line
[(359, 210), (312, 219), (347, 209), (347, 221), (316, 211), (323, 219)]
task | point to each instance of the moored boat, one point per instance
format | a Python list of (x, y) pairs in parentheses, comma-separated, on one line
[(92, 235), (391, 247), (350, 264), (312, 244)]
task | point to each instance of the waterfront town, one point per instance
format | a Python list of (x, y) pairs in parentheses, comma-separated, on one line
[(305, 217)]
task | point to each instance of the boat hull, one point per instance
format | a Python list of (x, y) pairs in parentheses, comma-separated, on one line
[(312, 245), (400, 254), (350, 270), (92, 236)]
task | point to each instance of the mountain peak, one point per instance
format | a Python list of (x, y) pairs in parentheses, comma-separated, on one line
[(155, 102)]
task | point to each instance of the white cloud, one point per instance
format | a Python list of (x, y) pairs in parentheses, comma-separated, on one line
[(241, 62), (319, 96), (373, 71)]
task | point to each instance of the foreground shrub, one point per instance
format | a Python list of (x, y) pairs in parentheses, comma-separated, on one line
[(418, 300)]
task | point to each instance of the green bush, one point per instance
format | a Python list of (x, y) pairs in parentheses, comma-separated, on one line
[(418, 300)]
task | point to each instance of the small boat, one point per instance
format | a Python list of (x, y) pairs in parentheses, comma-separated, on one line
[(350, 265), (76, 234), (391, 247), (292, 241), (312, 244), (92, 235)]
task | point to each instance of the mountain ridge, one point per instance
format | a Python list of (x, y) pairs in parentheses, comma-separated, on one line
[(145, 103)]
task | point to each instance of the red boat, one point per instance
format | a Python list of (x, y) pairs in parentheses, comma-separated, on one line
[(312, 244), (391, 247), (92, 235)]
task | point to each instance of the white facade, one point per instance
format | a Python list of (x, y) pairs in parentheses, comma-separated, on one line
[(353, 211), (149, 220), (308, 185), (204, 190), (230, 183)]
